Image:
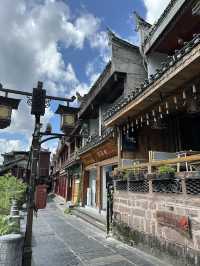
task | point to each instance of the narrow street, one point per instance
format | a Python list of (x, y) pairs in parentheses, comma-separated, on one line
[(61, 240)]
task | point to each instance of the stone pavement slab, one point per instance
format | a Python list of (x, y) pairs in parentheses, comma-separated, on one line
[(62, 240)]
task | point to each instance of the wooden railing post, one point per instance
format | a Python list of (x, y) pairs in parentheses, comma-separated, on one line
[(183, 184)]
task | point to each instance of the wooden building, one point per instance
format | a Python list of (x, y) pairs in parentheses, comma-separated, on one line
[(162, 115), (142, 116), (66, 166), (99, 151), (15, 162)]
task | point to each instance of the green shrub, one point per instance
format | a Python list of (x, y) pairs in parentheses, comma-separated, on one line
[(125, 176), (165, 169), (11, 188), (6, 227)]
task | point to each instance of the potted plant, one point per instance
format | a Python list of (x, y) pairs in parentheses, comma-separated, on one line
[(127, 175), (133, 176), (166, 172), (119, 174)]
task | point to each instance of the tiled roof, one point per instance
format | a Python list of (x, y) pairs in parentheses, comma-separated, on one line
[(159, 21), (105, 74), (95, 85), (148, 82)]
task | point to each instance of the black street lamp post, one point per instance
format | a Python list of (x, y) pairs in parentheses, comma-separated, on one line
[(38, 103), (35, 151)]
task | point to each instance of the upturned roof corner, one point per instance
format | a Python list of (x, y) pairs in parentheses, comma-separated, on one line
[(111, 35), (140, 22), (113, 38)]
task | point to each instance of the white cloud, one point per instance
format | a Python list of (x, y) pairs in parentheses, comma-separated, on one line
[(154, 9), (87, 26), (22, 122), (94, 68), (30, 38), (94, 77), (100, 41), (70, 74), (82, 88), (134, 39), (9, 145), (31, 34)]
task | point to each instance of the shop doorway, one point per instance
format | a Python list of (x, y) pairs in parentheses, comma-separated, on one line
[(92, 187), (190, 132)]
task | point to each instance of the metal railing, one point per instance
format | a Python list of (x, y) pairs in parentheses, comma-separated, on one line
[(188, 185), (132, 186)]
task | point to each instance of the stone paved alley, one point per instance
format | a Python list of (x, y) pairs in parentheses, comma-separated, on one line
[(65, 240)]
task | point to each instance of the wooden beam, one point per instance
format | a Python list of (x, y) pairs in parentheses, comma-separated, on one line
[(119, 147), (98, 187), (110, 161), (189, 159)]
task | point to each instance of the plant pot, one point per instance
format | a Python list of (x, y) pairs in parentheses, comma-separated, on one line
[(151, 176), (165, 176), (137, 177)]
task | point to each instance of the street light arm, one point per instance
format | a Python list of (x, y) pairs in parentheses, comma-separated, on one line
[(61, 99), (50, 138), (59, 135), (26, 93)]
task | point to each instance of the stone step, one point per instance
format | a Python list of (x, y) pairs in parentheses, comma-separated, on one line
[(90, 218)]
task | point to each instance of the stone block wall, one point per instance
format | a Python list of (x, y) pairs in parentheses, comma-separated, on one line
[(139, 212)]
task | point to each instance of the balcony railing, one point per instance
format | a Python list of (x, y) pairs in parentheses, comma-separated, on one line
[(95, 140), (162, 176), (73, 157), (171, 61), (187, 185)]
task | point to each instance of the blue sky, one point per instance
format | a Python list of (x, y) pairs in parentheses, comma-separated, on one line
[(62, 43)]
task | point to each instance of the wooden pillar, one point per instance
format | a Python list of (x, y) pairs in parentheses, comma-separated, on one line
[(150, 186), (85, 185), (119, 146), (98, 187), (76, 145), (183, 184), (73, 188), (65, 186)]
